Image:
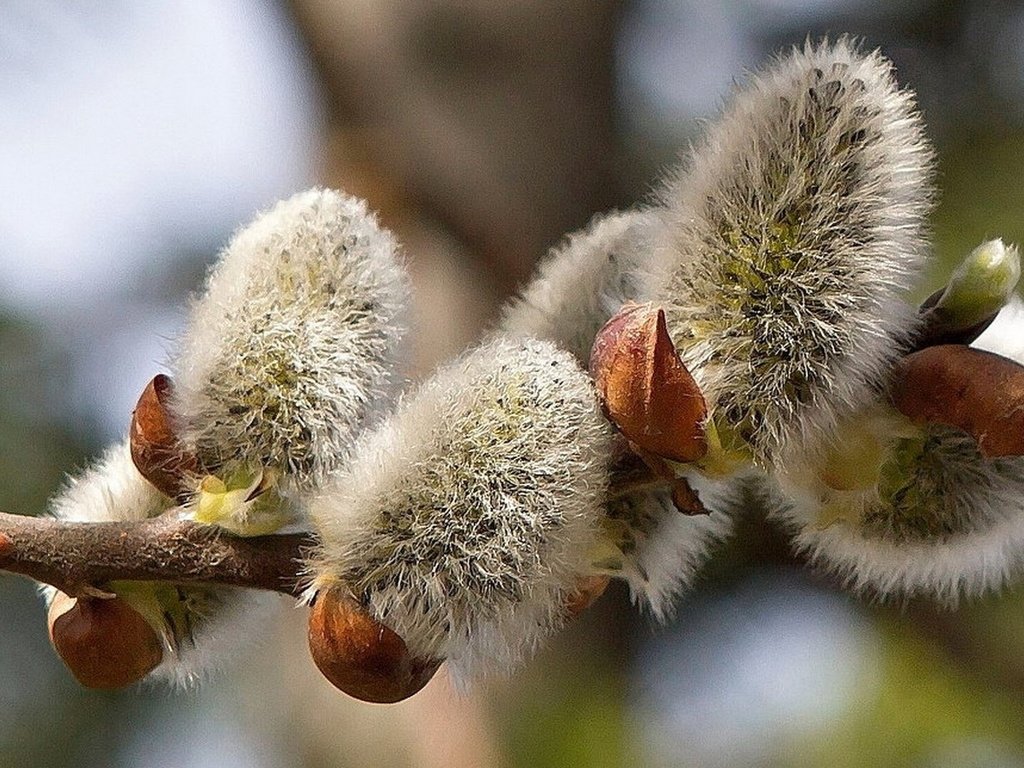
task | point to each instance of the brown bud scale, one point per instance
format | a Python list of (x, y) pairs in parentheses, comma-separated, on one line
[(104, 642), (686, 499), (588, 589), (979, 392), (156, 450), (361, 656), (644, 387)]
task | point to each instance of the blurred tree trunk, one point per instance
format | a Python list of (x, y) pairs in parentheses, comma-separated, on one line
[(496, 119)]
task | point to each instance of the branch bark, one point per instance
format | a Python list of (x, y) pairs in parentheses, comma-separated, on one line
[(79, 558)]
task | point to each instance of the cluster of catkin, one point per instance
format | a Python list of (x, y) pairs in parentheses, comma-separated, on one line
[(465, 516)]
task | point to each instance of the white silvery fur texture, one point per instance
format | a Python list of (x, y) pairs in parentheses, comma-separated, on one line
[(110, 490), (287, 354), (794, 229), (295, 343), (575, 291), (964, 535), (213, 622), (464, 520)]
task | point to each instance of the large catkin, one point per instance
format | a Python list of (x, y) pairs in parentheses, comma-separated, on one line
[(295, 343), (291, 349), (465, 519), (794, 229)]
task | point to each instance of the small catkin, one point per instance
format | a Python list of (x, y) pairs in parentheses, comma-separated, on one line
[(943, 521), (199, 626), (295, 343), (576, 290), (793, 231), (110, 490), (465, 519), (583, 282), (923, 511)]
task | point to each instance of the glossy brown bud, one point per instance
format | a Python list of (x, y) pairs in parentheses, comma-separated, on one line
[(361, 656), (976, 391), (156, 451), (644, 387), (104, 642)]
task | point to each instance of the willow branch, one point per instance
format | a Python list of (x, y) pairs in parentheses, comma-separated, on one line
[(79, 558)]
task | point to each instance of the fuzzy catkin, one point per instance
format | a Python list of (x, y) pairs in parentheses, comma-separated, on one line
[(794, 230), (942, 520), (953, 525), (288, 353), (110, 490), (575, 291), (465, 519), (660, 550), (296, 341), (292, 349), (200, 627)]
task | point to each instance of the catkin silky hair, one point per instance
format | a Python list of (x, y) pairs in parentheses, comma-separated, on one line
[(794, 229), (901, 508), (200, 628), (465, 519), (576, 289), (584, 281), (291, 349), (296, 340)]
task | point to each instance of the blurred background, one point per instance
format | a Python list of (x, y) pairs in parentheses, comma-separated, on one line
[(134, 137)]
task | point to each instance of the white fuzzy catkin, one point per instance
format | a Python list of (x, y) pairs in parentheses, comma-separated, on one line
[(464, 520), (111, 490), (794, 229), (289, 353), (216, 627), (584, 281), (295, 344), (575, 291), (211, 623), (951, 526), (960, 532)]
